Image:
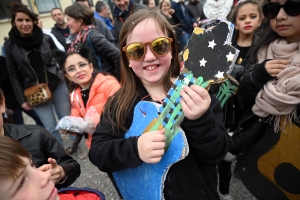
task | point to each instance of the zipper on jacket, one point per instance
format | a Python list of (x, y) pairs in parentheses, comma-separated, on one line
[(26, 59)]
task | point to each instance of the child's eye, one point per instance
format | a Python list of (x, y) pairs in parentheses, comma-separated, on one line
[(253, 17), (71, 69), (21, 183), (82, 64), (242, 18)]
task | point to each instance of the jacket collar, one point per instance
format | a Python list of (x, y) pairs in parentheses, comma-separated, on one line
[(15, 131)]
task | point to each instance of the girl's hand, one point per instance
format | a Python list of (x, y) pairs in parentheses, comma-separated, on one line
[(274, 67), (195, 101), (151, 146), (26, 106), (57, 172)]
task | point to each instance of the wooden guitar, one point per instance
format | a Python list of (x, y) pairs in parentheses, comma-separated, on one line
[(208, 59)]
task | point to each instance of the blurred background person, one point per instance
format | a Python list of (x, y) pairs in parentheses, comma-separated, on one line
[(30, 62)]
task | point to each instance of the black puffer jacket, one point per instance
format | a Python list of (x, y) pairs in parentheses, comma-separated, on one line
[(21, 73), (109, 54), (192, 178), (41, 145)]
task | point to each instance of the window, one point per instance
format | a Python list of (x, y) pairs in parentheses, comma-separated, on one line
[(4, 12), (91, 2), (45, 6)]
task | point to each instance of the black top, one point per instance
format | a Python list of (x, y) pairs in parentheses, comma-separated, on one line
[(243, 53)]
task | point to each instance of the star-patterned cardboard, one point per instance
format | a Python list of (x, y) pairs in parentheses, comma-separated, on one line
[(209, 51)]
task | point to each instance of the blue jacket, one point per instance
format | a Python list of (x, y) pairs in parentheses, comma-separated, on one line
[(185, 18)]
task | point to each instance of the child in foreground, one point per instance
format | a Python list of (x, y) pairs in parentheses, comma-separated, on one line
[(149, 67)]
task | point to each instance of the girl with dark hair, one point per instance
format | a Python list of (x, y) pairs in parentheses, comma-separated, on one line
[(272, 90), (105, 56), (30, 62), (149, 66), (88, 87)]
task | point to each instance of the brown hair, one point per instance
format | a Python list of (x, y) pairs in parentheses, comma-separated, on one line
[(79, 11), (130, 83), (1, 97), (11, 152), (16, 7)]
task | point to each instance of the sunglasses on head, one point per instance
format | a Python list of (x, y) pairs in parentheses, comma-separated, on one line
[(160, 47), (272, 9)]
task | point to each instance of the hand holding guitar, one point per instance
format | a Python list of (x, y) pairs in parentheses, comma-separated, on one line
[(151, 146), (195, 101)]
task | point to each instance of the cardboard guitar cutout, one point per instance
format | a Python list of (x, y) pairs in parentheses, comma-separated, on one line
[(209, 58)]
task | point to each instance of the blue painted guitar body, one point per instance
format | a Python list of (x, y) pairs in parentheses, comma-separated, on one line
[(131, 182)]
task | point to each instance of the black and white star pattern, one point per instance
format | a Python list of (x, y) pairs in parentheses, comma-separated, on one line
[(210, 54)]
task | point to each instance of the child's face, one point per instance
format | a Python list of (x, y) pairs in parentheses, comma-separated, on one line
[(151, 69), (31, 184), (79, 70), (247, 19), (285, 25)]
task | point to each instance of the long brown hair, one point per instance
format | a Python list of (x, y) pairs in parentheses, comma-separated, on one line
[(11, 162), (124, 99), (18, 7)]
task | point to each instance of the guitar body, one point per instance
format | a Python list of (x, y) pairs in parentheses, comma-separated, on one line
[(270, 169), (131, 182)]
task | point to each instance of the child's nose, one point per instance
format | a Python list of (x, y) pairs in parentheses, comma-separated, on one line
[(149, 55), (44, 178)]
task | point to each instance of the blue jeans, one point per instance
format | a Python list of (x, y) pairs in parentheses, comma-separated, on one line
[(61, 104), (184, 38)]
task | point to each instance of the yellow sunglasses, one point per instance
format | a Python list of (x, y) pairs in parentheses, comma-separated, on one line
[(160, 47)]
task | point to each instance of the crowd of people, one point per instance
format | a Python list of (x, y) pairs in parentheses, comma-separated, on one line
[(106, 62)]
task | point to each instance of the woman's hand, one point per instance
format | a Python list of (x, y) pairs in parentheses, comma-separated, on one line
[(57, 172), (26, 106), (171, 11), (274, 67), (151, 146), (195, 101)]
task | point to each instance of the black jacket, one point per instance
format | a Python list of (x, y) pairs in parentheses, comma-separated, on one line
[(41, 145), (250, 165), (192, 178), (21, 73), (109, 54), (56, 31)]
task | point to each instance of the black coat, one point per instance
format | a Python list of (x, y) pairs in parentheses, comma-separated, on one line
[(60, 37), (253, 164), (21, 73), (192, 178), (41, 145), (108, 52)]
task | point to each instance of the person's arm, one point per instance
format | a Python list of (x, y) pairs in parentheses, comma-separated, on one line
[(251, 84), (52, 149), (207, 137), (110, 151), (13, 72), (108, 51)]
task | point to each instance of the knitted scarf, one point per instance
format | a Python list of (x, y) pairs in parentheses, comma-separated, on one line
[(280, 96), (80, 38), (31, 41), (217, 9)]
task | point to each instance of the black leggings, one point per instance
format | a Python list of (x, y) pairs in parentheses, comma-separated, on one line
[(224, 176)]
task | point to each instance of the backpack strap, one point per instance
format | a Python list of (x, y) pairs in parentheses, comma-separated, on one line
[(94, 52)]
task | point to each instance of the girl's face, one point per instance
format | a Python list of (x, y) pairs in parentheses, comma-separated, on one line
[(247, 19), (151, 68), (285, 25), (30, 184), (165, 7), (79, 70), (73, 24), (23, 23)]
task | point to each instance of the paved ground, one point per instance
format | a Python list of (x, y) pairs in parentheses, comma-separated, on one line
[(94, 178)]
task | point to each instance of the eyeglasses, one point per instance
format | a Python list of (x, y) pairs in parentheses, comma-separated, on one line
[(160, 47), (272, 9)]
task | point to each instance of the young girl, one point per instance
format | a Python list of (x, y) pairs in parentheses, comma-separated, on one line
[(246, 18), (19, 178), (88, 88), (270, 167), (148, 74)]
